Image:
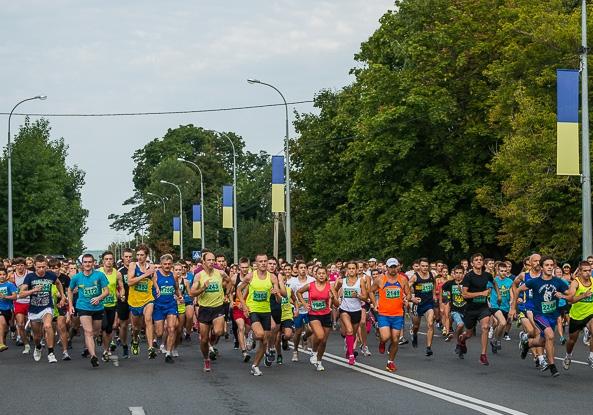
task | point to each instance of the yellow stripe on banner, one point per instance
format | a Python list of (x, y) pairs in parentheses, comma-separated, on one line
[(567, 149), (197, 230), (278, 198), (176, 238), (227, 217)]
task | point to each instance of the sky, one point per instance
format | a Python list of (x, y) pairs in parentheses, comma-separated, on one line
[(136, 56)]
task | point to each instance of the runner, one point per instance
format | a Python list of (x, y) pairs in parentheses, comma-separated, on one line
[(141, 280), (276, 309), (179, 272), (352, 292), (8, 293), (21, 305), (243, 323), (581, 312), (190, 311), (123, 308), (37, 285), (394, 294), (92, 287), (423, 293), (453, 291), (476, 292), (500, 310), (62, 319), (546, 291), (165, 306), (116, 290), (261, 285), (321, 295), (289, 311), (209, 287), (302, 319)]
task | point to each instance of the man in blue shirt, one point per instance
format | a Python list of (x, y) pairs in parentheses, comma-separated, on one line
[(92, 287), (7, 294), (500, 310)]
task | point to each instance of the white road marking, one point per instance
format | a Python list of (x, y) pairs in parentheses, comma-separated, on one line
[(136, 410)]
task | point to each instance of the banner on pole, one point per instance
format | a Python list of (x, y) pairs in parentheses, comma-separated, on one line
[(227, 206), (567, 140), (197, 222), (176, 231), (278, 184)]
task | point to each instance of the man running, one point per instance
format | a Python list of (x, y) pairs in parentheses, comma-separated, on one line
[(423, 293), (21, 305), (302, 319), (165, 306), (500, 310), (116, 290), (456, 304), (243, 323), (123, 308), (8, 293)]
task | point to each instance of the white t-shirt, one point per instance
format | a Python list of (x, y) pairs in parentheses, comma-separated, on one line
[(18, 281), (295, 284)]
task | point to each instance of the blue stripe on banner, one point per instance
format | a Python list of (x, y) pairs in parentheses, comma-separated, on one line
[(176, 223), (227, 196), (277, 169), (568, 95), (197, 213)]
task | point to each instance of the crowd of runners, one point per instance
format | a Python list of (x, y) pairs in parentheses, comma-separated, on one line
[(132, 306)]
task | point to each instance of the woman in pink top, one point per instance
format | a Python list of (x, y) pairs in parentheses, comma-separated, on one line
[(321, 296)]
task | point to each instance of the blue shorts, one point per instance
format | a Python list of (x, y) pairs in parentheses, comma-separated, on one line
[(393, 322), (543, 322), (421, 309), (162, 311), (139, 311), (301, 320), (457, 318)]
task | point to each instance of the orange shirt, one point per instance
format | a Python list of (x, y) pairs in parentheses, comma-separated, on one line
[(391, 297)]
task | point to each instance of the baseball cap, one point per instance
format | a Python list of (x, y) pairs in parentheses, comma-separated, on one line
[(372, 260), (392, 262)]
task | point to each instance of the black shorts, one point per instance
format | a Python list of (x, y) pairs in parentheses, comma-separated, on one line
[(277, 315), (355, 316), (7, 314), (265, 319), (564, 309), (324, 319), (504, 313), (578, 325), (96, 315), (62, 312), (472, 317), (206, 315), (108, 320), (287, 324), (123, 310), (227, 311)]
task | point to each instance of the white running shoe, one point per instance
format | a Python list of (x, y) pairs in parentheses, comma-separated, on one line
[(586, 336), (319, 367), (566, 362), (37, 354), (255, 371), (51, 358), (162, 349), (175, 353), (365, 350), (313, 359), (27, 349), (295, 356), (590, 361), (491, 333)]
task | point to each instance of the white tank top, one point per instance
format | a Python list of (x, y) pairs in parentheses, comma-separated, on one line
[(350, 293), (18, 281)]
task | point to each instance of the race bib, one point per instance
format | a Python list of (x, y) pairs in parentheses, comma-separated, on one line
[(427, 287), (213, 287), (481, 299), (284, 301), (587, 300), (90, 292), (392, 293), (4, 290), (142, 286), (167, 290), (548, 307), (350, 293), (109, 299), (260, 296), (318, 305)]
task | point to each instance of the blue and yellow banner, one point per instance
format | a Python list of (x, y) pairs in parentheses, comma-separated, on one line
[(197, 222), (567, 142), (278, 184), (227, 206), (176, 231)]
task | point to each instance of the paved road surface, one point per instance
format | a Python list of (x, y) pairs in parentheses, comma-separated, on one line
[(442, 384)]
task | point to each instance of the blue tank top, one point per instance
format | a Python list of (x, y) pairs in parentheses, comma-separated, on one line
[(529, 305), (166, 284)]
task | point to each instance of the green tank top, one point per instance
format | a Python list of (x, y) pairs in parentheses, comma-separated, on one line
[(214, 294), (258, 299), (287, 313), (111, 299), (584, 308)]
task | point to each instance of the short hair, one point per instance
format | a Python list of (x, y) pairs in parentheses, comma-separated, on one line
[(40, 258), (243, 260), (166, 257), (128, 251), (19, 261), (299, 263), (260, 254), (2, 269), (546, 258), (144, 248), (583, 263), (219, 255), (476, 255), (104, 254), (423, 260), (88, 256), (54, 262), (488, 259), (458, 268)]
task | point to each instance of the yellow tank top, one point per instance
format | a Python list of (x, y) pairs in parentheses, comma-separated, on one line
[(111, 299), (214, 294), (258, 299), (584, 308), (286, 306), (141, 293)]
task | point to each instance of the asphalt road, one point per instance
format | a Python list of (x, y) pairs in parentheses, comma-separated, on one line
[(441, 384)]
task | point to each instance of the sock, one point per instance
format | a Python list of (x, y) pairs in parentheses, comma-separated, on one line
[(350, 344), (50, 350)]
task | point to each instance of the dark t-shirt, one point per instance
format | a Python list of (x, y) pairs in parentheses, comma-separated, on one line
[(456, 300), (41, 299), (544, 295), (124, 276), (474, 284), (65, 280)]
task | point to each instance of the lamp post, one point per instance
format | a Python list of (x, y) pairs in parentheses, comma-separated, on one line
[(162, 198), (287, 157), (180, 217), (201, 197), (9, 148), (586, 176), (235, 223)]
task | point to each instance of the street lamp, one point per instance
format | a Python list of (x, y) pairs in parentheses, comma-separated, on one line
[(180, 218), (162, 198), (287, 157), (235, 223), (201, 197), (9, 148)]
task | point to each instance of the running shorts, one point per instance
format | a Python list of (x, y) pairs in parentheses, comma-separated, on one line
[(123, 310), (472, 317), (301, 320), (206, 315), (96, 315), (161, 312), (139, 311), (578, 325), (265, 319), (324, 319), (355, 316), (393, 322), (543, 322)]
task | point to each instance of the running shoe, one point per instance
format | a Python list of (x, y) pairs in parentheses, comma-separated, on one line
[(429, 352), (268, 360), (105, 356), (499, 345), (554, 371), (279, 359), (125, 354), (586, 336), (151, 353), (543, 365), (449, 337), (390, 367), (403, 340), (19, 342), (351, 360), (415, 340), (236, 345), (3, 347), (246, 356), (524, 344), (207, 365), (162, 349), (135, 348), (562, 340), (590, 361), (507, 337), (175, 353), (365, 350), (272, 354), (484, 360), (51, 358), (169, 359), (493, 346), (27, 349), (66, 356), (212, 353), (313, 359), (85, 353), (94, 361), (255, 371), (491, 333), (112, 346), (295, 356), (37, 354), (381, 348), (566, 362), (319, 367), (284, 343)]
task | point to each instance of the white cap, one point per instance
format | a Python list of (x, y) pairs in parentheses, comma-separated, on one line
[(372, 260), (392, 262)]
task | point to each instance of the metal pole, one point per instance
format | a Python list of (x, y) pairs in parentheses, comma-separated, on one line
[(180, 217), (201, 197), (9, 157), (586, 177), (235, 223)]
